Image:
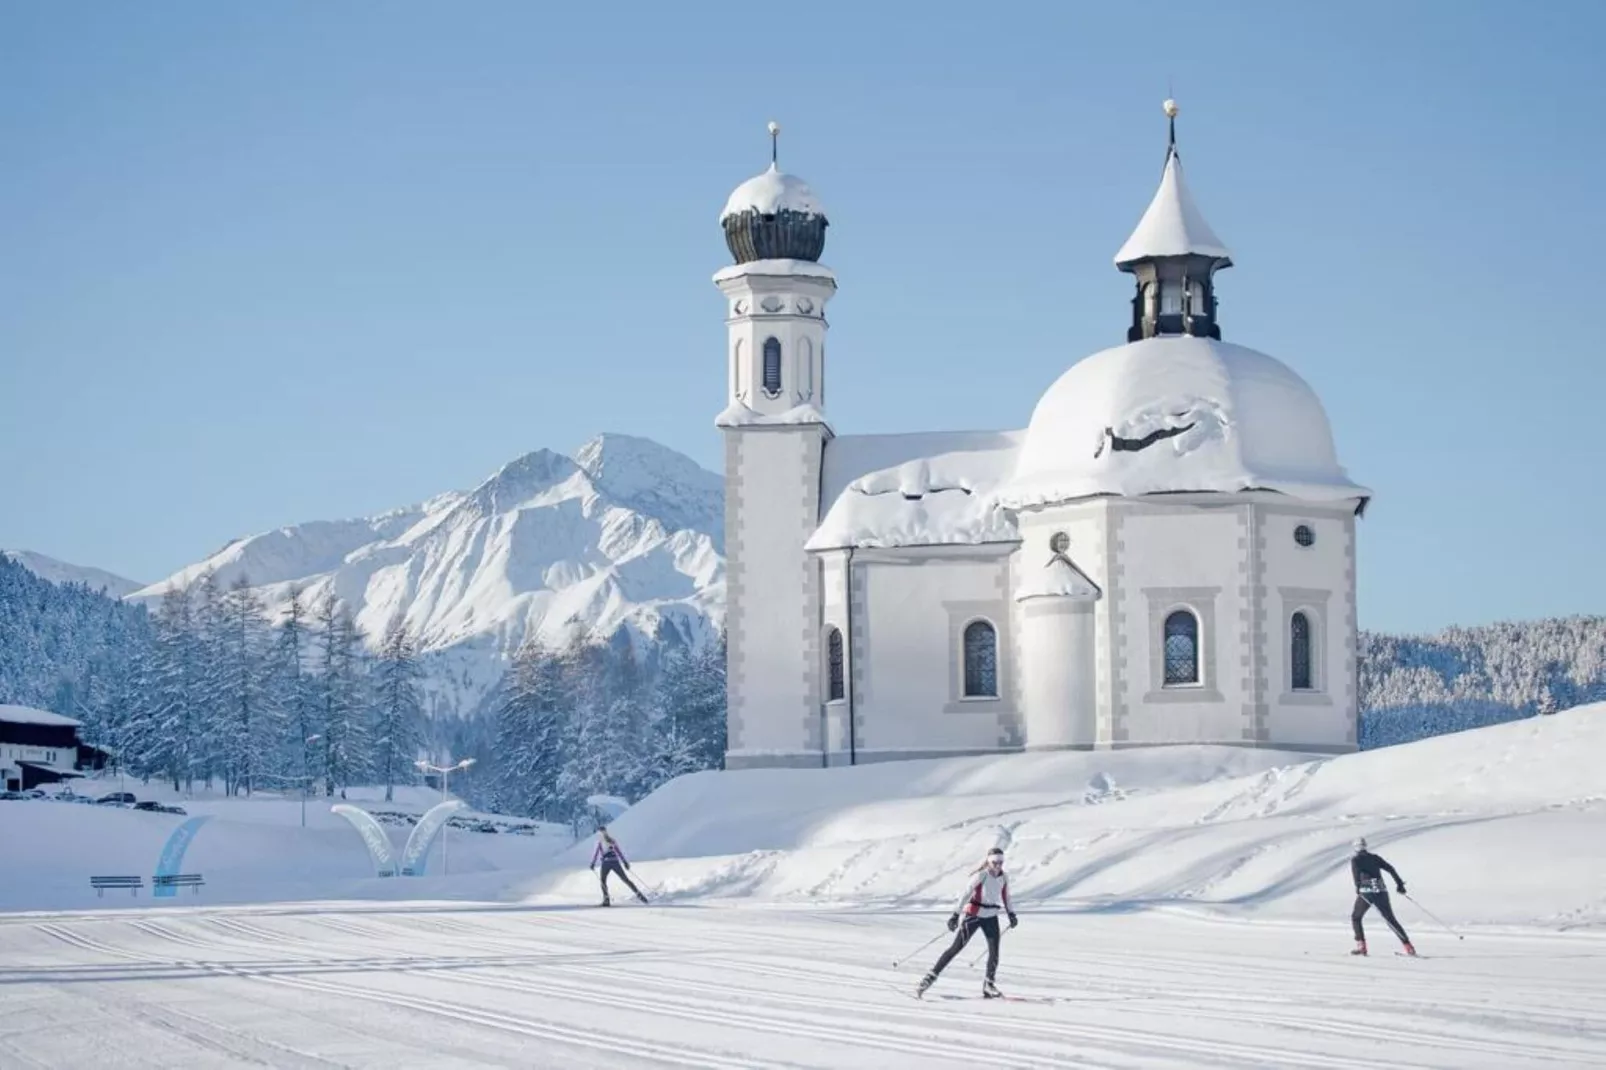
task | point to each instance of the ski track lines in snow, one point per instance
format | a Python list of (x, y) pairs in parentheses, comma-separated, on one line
[(757, 987)]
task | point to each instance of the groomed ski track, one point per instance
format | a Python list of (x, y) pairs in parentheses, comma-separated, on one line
[(459, 985)]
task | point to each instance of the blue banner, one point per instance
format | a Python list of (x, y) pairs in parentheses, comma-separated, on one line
[(173, 854)]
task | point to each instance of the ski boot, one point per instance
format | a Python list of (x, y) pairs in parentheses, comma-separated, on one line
[(606, 903), (1360, 948), (641, 897), (990, 990), (1409, 950), (925, 982)]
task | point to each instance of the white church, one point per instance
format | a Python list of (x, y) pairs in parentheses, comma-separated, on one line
[(1165, 555)]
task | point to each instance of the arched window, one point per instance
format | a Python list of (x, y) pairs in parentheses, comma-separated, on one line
[(1299, 652), (1181, 648), (772, 366), (805, 370), (835, 682), (981, 660)]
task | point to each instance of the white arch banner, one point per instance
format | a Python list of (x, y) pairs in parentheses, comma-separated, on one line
[(416, 854), (373, 834)]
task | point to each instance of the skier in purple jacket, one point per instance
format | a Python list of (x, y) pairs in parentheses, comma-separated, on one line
[(613, 860)]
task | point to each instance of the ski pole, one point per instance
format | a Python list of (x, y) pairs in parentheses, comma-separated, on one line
[(899, 962), (1436, 918)]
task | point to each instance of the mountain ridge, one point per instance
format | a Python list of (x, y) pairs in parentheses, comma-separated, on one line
[(57, 571), (621, 534)]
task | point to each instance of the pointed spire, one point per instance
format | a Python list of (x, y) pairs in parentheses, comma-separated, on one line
[(1173, 224)]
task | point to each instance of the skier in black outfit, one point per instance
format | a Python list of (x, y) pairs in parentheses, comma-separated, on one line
[(1367, 870), (985, 896), (612, 857)]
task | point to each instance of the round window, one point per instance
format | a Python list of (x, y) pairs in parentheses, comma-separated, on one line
[(1059, 542), (1304, 535)]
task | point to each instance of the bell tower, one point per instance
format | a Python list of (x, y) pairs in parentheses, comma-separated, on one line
[(775, 436), (1174, 255)]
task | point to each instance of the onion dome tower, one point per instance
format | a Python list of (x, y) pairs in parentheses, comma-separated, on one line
[(1174, 255), (774, 216)]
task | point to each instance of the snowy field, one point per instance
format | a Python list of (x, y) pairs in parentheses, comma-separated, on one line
[(1179, 908)]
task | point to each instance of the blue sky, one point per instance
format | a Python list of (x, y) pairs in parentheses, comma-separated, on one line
[(265, 263)]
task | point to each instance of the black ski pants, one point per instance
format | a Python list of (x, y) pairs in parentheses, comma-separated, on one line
[(1380, 900), (611, 866), (967, 928)]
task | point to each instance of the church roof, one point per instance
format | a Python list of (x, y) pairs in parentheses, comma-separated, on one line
[(1057, 578), (931, 489), (1176, 414), (1173, 224)]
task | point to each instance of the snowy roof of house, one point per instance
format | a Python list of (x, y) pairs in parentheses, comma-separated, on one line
[(1173, 224), (772, 192), (931, 489), (1176, 414), (28, 715)]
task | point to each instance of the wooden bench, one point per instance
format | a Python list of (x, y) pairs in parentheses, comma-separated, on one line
[(100, 884), (192, 881)]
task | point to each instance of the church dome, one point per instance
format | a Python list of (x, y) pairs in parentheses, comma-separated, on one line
[(774, 216), (1174, 414)]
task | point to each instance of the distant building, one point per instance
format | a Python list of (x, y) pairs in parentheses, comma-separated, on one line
[(40, 747), (1164, 555)]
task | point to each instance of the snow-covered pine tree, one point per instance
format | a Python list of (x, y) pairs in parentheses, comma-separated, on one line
[(248, 716), (531, 735), (164, 735), (212, 697), (293, 690), (689, 715), (344, 736), (398, 707), (610, 731)]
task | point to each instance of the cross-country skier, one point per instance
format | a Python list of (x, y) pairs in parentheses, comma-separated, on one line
[(613, 860), (1367, 869), (985, 895)]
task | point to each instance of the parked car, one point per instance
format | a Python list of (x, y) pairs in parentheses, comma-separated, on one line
[(149, 805), (8, 795), (170, 809), (117, 798)]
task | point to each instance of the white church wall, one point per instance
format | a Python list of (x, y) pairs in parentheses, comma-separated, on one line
[(1317, 580), (915, 605), (773, 593), (834, 613), (1063, 652), (1169, 557)]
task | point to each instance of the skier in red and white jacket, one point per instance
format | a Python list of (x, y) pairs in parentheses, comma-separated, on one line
[(986, 896)]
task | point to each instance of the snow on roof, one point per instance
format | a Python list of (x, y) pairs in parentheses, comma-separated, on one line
[(738, 414), (1057, 578), (1176, 414), (1173, 224), (28, 715), (771, 192), (915, 490), (775, 267)]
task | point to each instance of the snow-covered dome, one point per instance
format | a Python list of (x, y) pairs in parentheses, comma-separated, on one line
[(1177, 413), (774, 216), (771, 192)]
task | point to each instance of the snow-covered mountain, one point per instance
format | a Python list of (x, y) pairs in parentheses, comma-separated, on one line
[(48, 568), (624, 533)]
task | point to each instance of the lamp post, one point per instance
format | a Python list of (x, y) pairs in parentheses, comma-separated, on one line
[(445, 772)]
